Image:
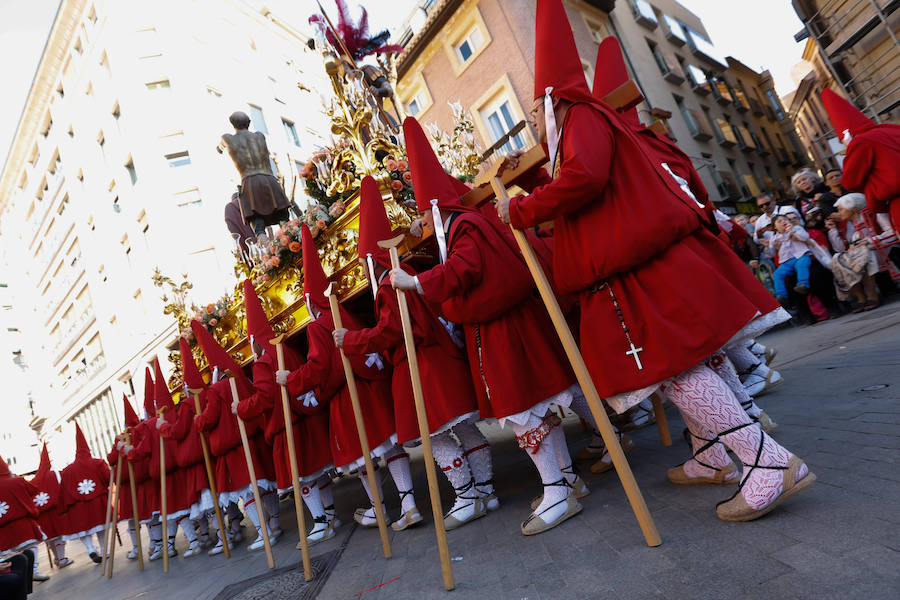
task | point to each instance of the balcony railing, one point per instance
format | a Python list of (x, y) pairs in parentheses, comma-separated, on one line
[(668, 66), (74, 383), (746, 140), (698, 80), (721, 92), (75, 329), (673, 30), (725, 134), (697, 125)]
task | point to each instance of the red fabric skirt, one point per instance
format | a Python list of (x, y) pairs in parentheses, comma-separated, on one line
[(680, 307), (21, 530), (516, 361), (148, 499), (446, 386), (231, 468), (52, 523), (125, 507), (378, 414), (83, 516)]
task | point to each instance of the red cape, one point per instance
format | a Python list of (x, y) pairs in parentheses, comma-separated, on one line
[(870, 167)]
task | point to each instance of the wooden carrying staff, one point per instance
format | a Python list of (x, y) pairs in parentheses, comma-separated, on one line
[(295, 470), (134, 507), (109, 502), (162, 486), (210, 476), (263, 526), (422, 415), (112, 531), (360, 426), (641, 512)]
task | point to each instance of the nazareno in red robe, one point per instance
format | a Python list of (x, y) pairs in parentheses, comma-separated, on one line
[(446, 379), (311, 440), (46, 500), (125, 506), (623, 225), (147, 488), (323, 373), (18, 514), (188, 452), (83, 489), (871, 167), (221, 427), (178, 501)]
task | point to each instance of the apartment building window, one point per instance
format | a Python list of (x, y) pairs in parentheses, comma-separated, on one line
[(257, 120), (116, 111), (598, 29), (101, 141), (89, 89), (132, 173), (695, 123), (418, 104), (469, 45), (213, 92), (104, 64), (161, 85), (290, 131), (499, 120), (643, 13), (70, 132), (674, 31), (147, 43), (78, 47), (667, 64), (92, 15), (188, 198), (60, 92), (178, 159), (48, 124)]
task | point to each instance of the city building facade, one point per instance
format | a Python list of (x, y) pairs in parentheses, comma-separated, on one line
[(857, 42), (724, 115), (113, 172)]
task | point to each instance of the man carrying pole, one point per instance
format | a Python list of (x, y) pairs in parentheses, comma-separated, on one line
[(128, 510), (299, 443), (449, 395), (233, 476), (352, 447), (628, 236)]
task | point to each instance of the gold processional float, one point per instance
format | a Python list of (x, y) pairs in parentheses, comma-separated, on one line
[(365, 141)]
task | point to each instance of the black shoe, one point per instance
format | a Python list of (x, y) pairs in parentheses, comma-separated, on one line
[(95, 557), (802, 289)]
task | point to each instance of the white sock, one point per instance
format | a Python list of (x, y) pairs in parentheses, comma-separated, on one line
[(557, 437), (202, 526), (187, 526), (34, 553), (88, 542), (326, 491), (313, 499), (449, 457), (101, 543), (364, 479), (156, 534), (132, 533), (398, 464), (253, 515), (59, 549), (478, 452), (547, 464), (744, 360)]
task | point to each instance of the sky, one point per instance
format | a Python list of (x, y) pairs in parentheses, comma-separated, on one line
[(759, 33)]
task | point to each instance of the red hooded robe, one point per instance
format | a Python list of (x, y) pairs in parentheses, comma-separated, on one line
[(18, 514), (125, 504), (628, 238), (83, 489), (46, 500), (323, 373), (446, 380)]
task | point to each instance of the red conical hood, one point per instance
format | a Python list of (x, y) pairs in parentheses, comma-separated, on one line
[(374, 225), (82, 450), (844, 116), (149, 404), (45, 466), (610, 73), (556, 60), (459, 187), (131, 418), (161, 396), (216, 356), (4, 468), (315, 282), (190, 373), (430, 181), (257, 322)]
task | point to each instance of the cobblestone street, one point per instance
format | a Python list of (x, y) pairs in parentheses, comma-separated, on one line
[(838, 408)]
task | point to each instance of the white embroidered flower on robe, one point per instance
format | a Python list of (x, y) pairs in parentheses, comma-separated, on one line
[(42, 499), (86, 486), (4, 508)]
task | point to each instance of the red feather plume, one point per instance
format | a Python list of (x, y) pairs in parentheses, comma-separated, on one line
[(355, 36)]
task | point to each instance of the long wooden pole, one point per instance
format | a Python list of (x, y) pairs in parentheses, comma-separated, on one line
[(662, 423), (360, 428), (422, 416), (210, 476), (109, 501), (295, 470), (134, 508), (263, 526), (111, 538), (638, 505), (162, 487)]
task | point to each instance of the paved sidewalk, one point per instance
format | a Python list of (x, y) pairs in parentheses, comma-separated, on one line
[(840, 539)]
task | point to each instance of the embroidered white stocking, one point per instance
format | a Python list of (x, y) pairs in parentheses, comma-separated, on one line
[(552, 505), (478, 452), (398, 464), (724, 368), (313, 500)]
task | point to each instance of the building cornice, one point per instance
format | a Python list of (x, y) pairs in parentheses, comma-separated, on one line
[(59, 40)]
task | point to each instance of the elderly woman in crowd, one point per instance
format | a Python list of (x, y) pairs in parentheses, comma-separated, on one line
[(855, 262), (808, 188)]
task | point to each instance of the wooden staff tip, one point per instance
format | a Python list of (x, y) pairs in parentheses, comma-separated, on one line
[(330, 291), (278, 339), (393, 242)]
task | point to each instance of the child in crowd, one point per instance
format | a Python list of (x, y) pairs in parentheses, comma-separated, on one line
[(794, 258)]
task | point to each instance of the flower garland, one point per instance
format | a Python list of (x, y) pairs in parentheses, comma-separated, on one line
[(211, 314)]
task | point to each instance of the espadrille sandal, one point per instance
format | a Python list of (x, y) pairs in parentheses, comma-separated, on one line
[(766, 422), (677, 475), (466, 499), (323, 530), (579, 487), (770, 355), (408, 519), (602, 466), (736, 507), (534, 524), (360, 516)]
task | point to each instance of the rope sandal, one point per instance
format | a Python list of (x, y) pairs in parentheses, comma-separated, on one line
[(409, 518), (451, 520), (490, 501), (331, 513), (602, 466), (678, 475), (370, 522), (322, 526), (578, 487), (736, 507), (534, 524)]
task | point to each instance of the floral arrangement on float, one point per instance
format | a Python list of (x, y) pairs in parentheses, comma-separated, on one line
[(211, 314)]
